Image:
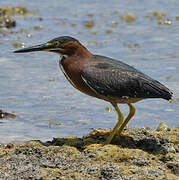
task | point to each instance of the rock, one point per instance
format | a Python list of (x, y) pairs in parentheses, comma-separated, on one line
[(162, 127), (143, 154)]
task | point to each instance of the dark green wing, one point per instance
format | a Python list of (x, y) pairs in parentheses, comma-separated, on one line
[(110, 77)]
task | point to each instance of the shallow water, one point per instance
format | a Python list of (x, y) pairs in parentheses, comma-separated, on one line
[(33, 86)]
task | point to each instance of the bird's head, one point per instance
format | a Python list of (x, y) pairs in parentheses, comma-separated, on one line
[(64, 45)]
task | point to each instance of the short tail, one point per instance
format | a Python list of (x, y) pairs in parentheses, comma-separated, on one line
[(163, 91), (167, 95)]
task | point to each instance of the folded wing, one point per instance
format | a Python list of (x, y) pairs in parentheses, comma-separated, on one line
[(114, 78)]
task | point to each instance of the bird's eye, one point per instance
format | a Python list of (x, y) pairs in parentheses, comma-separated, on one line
[(56, 43)]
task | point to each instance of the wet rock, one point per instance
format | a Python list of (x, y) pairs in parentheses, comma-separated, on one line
[(128, 18), (7, 115), (162, 127), (18, 11), (7, 22), (6, 13), (144, 154)]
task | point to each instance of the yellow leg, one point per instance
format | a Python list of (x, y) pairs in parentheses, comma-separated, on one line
[(120, 120), (131, 114)]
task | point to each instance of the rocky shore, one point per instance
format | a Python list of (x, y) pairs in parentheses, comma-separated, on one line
[(141, 154)]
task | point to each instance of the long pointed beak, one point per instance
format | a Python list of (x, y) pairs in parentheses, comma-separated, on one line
[(41, 47)]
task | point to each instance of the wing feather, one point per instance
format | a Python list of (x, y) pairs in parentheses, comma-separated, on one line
[(118, 79)]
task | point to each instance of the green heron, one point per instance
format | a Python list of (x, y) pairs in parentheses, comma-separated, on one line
[(102, 77)]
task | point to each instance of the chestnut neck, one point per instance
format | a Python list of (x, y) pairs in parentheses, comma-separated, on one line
[(77, 50)]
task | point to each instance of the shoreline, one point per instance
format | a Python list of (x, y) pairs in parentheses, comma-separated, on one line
[(141, 154)]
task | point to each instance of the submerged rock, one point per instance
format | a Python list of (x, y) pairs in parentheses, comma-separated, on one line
[(6, 114), (6, 21), (7, 13), (143, 154)]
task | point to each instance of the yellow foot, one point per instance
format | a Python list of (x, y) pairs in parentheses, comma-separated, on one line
[(101, 131)]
